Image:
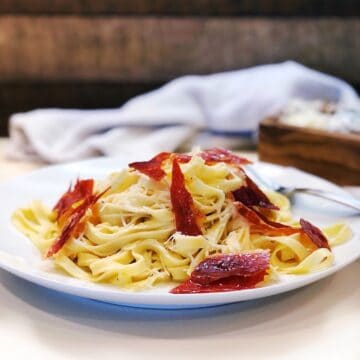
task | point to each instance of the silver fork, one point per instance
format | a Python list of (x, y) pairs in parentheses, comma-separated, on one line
[(289, 191)]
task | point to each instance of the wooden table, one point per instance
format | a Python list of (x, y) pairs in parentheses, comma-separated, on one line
[(321, 321)]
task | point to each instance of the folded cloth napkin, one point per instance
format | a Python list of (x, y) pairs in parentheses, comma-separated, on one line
[(223, 104)]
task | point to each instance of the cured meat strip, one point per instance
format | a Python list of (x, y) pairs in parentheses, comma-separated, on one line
[(81, 190), (187, 216), (152, 168), (216, 155), (314, 234), (222, 266), (260, 225), (227, 272), (251, 195), (72, 221), (70, 227)]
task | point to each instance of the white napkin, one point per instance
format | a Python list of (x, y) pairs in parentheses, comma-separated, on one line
[(226, 104)]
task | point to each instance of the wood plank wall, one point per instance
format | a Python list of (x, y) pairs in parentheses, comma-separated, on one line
[(184, 7), (89, 53)]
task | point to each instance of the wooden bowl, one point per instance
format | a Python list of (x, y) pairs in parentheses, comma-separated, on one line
[(333, 156)]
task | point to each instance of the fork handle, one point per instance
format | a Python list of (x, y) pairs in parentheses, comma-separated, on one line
[(341, 199)]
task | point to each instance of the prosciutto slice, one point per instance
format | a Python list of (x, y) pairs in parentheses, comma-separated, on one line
[(187, 217), (260, 225), (82, 189), (216, 155), (152, 167), (72, 221), (251, 195), (227, 272), (314, 234)]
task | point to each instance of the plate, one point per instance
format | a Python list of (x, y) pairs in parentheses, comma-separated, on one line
[(20, 257)]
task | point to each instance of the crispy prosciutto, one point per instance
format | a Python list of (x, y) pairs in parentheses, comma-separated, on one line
[(71, 219), (182, 158), (69, 229), (227, 272), (259, 224), (187, 217), (216, 155), (152, 168), (251, 195), (314, 234), (82, 189)]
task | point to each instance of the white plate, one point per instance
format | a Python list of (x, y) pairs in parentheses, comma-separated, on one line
[(20, 257)]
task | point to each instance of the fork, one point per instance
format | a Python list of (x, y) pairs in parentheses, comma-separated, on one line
[(288, 191)]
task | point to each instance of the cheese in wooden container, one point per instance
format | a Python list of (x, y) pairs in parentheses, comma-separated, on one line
[(316, 137)]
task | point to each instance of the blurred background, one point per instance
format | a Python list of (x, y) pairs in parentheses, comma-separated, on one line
[(91, 53)]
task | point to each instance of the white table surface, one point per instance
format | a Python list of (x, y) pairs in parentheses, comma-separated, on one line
[(321, 321)]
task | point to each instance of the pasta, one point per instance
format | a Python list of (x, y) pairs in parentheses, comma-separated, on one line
[(129, 236)]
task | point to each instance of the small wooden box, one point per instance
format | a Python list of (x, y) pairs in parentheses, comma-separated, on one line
[(333, 156)]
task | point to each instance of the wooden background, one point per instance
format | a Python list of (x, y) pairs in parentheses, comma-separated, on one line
[(91, 53)]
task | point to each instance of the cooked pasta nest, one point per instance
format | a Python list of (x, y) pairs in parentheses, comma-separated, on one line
[(135, 244)]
